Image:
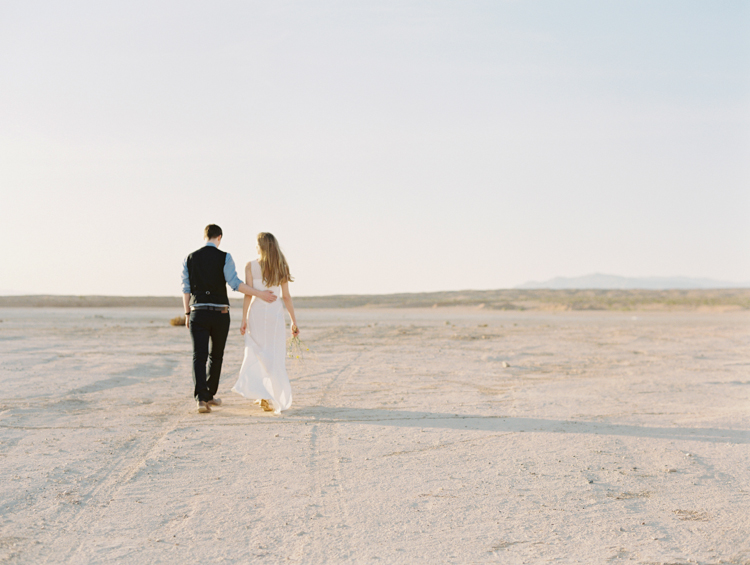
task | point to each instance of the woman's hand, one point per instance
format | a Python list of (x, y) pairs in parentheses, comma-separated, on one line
[(295, 330), (243, 327)]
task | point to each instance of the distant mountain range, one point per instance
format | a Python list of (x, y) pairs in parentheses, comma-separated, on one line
[(601, 281)]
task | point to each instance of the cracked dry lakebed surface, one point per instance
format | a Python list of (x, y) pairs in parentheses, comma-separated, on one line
[(416, 436)]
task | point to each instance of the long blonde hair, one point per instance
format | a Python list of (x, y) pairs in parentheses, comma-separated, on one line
[(272, 261)]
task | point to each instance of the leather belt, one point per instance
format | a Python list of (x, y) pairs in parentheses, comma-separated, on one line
[(222, 309)]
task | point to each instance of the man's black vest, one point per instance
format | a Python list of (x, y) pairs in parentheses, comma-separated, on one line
[(206, 271)]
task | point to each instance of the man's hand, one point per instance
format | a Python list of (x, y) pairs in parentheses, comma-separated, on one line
[(187, 322), (266, 296)]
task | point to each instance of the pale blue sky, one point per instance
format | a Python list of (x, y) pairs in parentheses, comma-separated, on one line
[(390, 146)]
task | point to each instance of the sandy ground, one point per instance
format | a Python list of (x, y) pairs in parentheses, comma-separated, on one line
[(610, 437)]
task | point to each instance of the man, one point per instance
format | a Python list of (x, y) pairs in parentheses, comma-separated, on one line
[(205, 276)]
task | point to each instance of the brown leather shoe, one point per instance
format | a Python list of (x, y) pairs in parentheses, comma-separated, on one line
[(203, 407), (266, 405)]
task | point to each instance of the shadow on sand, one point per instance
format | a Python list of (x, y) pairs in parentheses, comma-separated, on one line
[(402, 418)]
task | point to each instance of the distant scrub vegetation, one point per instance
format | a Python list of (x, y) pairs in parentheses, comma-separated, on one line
[(540, 299), (508, 299)]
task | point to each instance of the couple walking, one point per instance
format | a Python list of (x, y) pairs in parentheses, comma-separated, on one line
[(206, 273)]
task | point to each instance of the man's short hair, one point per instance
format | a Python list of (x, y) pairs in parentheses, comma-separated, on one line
[(212, 231)]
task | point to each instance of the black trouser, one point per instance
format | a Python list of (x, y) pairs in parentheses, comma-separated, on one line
[(205, 325)]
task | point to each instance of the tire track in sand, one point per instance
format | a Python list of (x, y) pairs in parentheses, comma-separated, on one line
[(328, 514), (114, 477)]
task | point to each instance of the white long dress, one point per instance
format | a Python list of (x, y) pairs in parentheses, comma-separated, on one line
[(263, 371)]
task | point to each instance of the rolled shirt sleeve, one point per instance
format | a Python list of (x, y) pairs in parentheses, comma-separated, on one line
[(230, 273), (185, 278)]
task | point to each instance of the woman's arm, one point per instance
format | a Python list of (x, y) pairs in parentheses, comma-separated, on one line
[(246, 301), (289, 307)]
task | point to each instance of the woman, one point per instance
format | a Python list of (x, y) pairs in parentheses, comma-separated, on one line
[(263, 375)]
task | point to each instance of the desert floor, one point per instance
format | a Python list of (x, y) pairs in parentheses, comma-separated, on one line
[(608, 437)]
